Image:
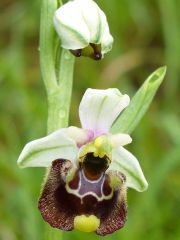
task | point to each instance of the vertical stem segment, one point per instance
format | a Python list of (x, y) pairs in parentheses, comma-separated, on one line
[(47, 49), (60, 99), (58, 86)]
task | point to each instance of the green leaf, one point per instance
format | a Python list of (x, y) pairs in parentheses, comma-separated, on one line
[(130, 118)]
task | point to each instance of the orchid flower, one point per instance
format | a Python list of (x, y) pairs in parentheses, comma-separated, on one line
[(90, 169), (82, 27)]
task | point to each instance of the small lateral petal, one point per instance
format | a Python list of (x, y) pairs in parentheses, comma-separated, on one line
[(120, 139), (126, 163), (41, 152), (100, 108)]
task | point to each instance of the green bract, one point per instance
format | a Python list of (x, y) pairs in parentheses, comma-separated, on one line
[(130, 118)]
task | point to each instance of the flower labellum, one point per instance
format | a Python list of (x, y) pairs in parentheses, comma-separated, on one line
[(83, 29), (90, 170)]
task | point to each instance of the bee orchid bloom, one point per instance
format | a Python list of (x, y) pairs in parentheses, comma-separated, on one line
[(82, 27), (90, 169)]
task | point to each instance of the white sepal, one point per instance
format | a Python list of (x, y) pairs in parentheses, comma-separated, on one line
[(70, 26), (100, 108), (124, 162), (41, 152)]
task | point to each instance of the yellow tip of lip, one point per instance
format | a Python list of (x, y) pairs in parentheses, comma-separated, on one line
[(86, 223)]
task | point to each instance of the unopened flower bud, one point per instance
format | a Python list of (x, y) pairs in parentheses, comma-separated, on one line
[(83, 29)]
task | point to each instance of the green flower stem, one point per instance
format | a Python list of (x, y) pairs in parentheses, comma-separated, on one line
[(59, 100), (47, 49), (58, 85)]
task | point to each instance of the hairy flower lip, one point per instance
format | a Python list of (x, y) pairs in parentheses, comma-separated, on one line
[(54, 202)]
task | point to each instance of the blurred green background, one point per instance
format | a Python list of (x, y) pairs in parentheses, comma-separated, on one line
[(147, 35)]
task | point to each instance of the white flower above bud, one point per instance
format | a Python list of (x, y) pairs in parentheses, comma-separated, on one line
[(83, 28)]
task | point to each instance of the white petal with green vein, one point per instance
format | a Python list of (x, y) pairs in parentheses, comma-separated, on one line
[(41, 152), (71, 27), (106, 40), (126, 163), (94, 18)]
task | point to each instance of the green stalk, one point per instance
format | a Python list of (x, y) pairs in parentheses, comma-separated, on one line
[(59, 100), (47, 39), (58, 86)]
